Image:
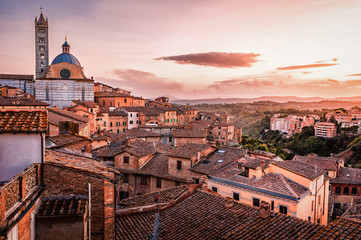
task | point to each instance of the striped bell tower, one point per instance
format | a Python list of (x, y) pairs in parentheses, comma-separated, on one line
[(41, 46)]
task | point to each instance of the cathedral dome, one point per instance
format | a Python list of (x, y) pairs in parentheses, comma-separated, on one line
[(66, 57)]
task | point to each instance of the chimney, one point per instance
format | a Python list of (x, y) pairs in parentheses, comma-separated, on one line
[(198, 156), (229, 203), (263, 163), (265, 210)]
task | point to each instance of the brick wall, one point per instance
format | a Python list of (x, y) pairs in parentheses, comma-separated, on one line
[(66, 181)]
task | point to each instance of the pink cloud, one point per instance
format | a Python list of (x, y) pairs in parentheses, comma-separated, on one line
[(215, 59), (315, 65)]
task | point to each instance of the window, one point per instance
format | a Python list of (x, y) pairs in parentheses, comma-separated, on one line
[(143, 180), (236, 196), (338, 190), (111, 104), (126, 159), (130, 122), (41, 39), (105, 123), (159, 183), (125, 100), (354, 191), (137, 115), (111, 124), (196, 180), (283, 209), (177, 184), (246, 172), (179, 165), (41, 48), (214, 189), (346, 191), (256, 202), (170, 139), (137, 122), (131, 115), (124, 123), (337, 205), (125, 178), (117, 130), (103, 102), (272, 205), (123, 194)]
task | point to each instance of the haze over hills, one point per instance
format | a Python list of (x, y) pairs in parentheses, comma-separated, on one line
[(280, 99)]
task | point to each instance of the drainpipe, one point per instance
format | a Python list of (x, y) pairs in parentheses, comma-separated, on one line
[(42, 160), (314, 217)]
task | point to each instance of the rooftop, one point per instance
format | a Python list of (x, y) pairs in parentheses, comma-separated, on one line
[(20, 102), (200, 214), (23, 121), (218, 160), (300, 168), (325, 163), (348, 176), (110, 94), (56, 115), (66, 139), (17, 77), (62, 206), (189, 150), (190, 133)]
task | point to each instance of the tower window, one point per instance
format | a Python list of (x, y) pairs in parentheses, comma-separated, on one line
[(42, 55), (41, 39), (41, 48)]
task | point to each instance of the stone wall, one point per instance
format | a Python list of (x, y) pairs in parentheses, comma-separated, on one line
[(66, 181)]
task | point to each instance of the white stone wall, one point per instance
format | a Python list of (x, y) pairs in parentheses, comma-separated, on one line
[(17, 152), (25, 85), (63, 92)]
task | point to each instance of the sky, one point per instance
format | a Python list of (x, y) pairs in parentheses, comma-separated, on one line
[(197, 48)]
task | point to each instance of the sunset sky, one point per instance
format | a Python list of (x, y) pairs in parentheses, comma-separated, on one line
[(197, 48)]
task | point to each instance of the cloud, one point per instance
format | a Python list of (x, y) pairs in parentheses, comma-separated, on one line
[(215, 59), (355, 75), (315, 65)]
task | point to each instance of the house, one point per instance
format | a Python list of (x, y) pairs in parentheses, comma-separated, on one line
[(223, 134), (67, 174), (186, 135), (108, 100), (57, 115), (22, 136), (325, 129), (118, 121), (289, 187), (99, 141), (199, 213)]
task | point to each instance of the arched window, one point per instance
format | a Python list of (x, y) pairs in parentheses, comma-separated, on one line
[(346, 191), (354, 191), (338, 190)]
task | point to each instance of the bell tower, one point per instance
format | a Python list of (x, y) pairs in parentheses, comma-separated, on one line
[(41, 46)]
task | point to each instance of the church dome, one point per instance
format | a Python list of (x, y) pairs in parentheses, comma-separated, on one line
[(66, 57)]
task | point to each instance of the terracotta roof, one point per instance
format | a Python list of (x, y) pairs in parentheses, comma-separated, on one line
[(118, 112), (148, 111), (62, 206), (55, 115), (110, 94), (300, 168), (218, 160), (111, 151), (272, 183), (340, 228), (203, 215), (255, 162), (67, 139), (157, 166), (17, 77), (137, 148), (20, 102), (84, 164), (348, 176), (139, 133), (189, 150), (325, 163), (190, 133), (87, 104), (23, 121), (165, 196)]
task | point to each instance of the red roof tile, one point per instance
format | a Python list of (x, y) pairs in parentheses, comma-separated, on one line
[(23, 121), (62, 206)]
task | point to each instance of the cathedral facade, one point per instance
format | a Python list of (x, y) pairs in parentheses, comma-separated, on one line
[(57, 84), (63, 80)]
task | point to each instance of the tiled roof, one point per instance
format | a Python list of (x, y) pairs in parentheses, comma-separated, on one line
[(256, 162), (23, 121), (348, 176), (340, 228), (87, 104), (84, 164), (325, 163), (111, 151), (137, 148), (148, 111), (20, 102), (190, 133), (272, 184), (66, 139), (110, 94), (165, 196), (139, 133), (300, 168), (62, 206), (17, 77), (203, 215), (218, 160), (157, 166), (189, 150), (118, 112), (56, 115)]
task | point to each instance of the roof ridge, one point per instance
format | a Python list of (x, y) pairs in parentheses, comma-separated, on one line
[(287, 185)]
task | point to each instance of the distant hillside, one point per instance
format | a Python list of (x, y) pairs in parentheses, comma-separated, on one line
[(279, 99)]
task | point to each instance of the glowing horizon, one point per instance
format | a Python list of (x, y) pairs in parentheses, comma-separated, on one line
[(197, 49)]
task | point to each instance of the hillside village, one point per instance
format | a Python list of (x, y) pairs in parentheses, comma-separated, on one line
[(84, 160)]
